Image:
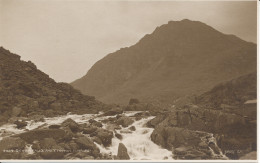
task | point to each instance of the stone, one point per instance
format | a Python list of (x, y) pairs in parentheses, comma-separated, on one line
[(95, 123), (47, 143), (89, 129), (122, 152), (55, 152), (113, 111), (104, 135), (54, 126), (9, 144), (71, 124), (132, 128), (20, 124), (125, 121), (85, 143), (40, 134), (119, 136), (155, 121)]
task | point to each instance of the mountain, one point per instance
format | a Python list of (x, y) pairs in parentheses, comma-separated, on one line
[(26, 90), (177, 59)]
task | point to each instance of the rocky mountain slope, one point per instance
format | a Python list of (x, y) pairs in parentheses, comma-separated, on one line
[(233, 93), (222, 111), (177, 59), (25, 90)]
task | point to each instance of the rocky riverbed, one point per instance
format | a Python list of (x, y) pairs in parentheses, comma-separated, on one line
[(110, 135)]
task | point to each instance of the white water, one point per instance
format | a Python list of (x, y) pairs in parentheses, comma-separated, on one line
[(138, 143)]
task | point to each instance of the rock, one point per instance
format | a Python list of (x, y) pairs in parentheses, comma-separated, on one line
[(155, 121), (132, 128), (85, 143), (113, 111), (73, 146), (141, 115), (188, 152), (119, 136), (16, 111), (71, 124), (50, 149), (97, 140), (20, 124), (40, 134), (9, 145), (56, 152), (54, 126), (122, 152), (125, 121), (88, 146), (88, 129), (104, 135), (169, 137), (112, 127), (47, 143), (95, 123)]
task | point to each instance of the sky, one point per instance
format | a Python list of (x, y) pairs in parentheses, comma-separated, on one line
[(64, 38)]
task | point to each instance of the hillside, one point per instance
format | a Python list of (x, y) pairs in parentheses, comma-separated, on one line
[(26, 90), (179, 58), (234, 93)]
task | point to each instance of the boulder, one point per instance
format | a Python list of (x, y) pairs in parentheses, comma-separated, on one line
[(95, 123), (56, 152), (50, 149), (71, 124), (9, 145), (125, 121), (112, 127), (169, 137), (113, 111), (104, 135), (132, 128), (122, 152), (155, 121), (54, 126), (40, 134), (47, 143), (89, 129), (20, 124), (85, 143)]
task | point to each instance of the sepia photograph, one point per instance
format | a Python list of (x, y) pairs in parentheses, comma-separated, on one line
[(128, 80)]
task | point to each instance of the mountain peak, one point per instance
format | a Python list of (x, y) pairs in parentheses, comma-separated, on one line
[(177, 59)]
